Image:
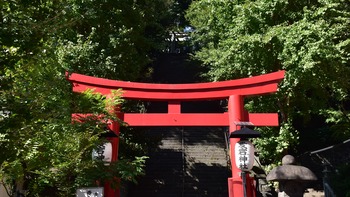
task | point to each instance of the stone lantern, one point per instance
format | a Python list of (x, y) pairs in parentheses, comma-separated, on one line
[(292, 178)]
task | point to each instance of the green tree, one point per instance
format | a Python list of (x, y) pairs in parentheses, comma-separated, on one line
[(42, 152), (308, 39)]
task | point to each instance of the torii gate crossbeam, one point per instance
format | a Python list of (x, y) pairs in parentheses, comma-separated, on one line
[(174, 94)]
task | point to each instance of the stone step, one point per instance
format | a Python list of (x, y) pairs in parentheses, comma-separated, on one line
[(186, 163), (205, 149), (202, 155)]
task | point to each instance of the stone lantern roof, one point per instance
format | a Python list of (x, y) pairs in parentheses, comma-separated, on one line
[(289, 171)]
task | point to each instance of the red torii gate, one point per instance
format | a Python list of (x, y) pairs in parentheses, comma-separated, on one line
[(174, 94)]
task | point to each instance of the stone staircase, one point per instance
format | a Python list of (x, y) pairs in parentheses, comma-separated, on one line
[(189, 162), (206, 162)]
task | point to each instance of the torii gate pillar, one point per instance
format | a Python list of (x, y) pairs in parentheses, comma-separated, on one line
[(236, 114)]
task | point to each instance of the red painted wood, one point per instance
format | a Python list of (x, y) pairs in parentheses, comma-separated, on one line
[(237, 113), (263, 119), (200, 94), (187, 119), (162, 119), (114, 127), (114, 84), (257, 85), (108, 190), (174, 107)]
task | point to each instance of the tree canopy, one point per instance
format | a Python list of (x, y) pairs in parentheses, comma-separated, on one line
[(308, 39), (43, 153)]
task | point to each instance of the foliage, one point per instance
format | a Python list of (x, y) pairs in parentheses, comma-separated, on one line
[(41, 148), (308, 39), (42, 151)]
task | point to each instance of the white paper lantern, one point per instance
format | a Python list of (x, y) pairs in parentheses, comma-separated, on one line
[(103, 152), (244, 155)]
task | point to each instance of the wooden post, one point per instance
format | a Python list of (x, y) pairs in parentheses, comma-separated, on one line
[(114, 127), (236, 114)]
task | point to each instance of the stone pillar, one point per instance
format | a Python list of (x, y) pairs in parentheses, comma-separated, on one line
[(291, 189)]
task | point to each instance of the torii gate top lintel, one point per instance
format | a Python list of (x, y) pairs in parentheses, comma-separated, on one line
[(257, 85), (174, 94)]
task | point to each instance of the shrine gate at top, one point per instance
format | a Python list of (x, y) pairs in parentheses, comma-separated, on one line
[(174, 94)]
